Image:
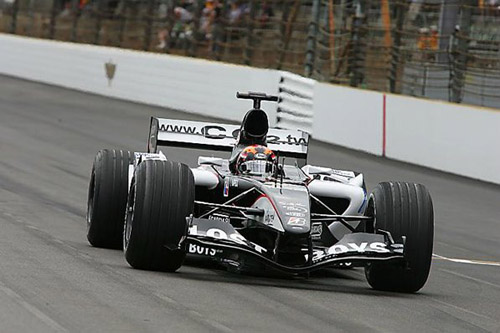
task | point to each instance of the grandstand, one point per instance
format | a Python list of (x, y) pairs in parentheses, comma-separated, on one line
[(448, 50)]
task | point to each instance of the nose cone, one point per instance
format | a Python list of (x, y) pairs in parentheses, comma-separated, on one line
[(292, 205)]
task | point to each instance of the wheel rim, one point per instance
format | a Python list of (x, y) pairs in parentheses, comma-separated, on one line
[(371, 212), (90, 199), (129, 216)]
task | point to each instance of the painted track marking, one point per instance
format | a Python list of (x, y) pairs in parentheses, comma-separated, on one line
[(467, 261)]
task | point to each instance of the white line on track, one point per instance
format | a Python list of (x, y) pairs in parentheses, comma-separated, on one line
[(467, 261)]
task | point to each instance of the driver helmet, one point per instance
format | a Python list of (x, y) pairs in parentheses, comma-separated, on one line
[(256, 160)]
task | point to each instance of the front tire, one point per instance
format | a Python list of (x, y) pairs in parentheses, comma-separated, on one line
[(160, 199), (107, 197), (403, 209)]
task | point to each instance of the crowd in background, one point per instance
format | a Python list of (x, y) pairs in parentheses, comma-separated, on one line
[(181, 20), (417, 47), (184, 21), (208, 21)]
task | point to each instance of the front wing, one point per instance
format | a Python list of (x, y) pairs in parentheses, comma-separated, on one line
[(218, 240)]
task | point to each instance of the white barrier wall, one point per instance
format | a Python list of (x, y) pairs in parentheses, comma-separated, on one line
[(188, 84), (461, 139), (348, 117), (464, 140)]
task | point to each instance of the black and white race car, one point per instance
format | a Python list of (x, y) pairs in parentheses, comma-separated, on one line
[(262, 209)]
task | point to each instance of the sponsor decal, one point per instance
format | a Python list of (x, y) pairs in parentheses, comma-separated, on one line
[(226, 187), (219, 132), (290, 140), (201, 250), (292, 187), (316, 230), (347, 174), (151, 156), (296, 214), (141, 157), (221, 234), (260, 155), (297, 221), (294, 207), (234, 182), (219, 217), (269, 217), (335, 250)]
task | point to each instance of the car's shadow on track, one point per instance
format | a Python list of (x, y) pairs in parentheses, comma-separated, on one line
[(345, 281), (349, 281)]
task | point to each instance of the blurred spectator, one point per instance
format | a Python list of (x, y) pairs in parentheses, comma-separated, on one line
[(210, 23), (83, 4), (493, 7), (266, 12), (453, 45), (434, 43), (210, 12), (423, 42), (181, 28), (434, 38), (66, 11), (414, 15), (235, 13), (221, 25), (162, 11), (428, 43), (5, 6), (70, 7)]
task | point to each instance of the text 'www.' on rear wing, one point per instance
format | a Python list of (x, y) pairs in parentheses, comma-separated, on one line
[(221, 137)]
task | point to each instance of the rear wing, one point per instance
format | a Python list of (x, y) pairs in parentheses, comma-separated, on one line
[(221, 137)]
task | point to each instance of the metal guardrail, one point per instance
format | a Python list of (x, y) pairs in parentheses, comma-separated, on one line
[(389, 45)]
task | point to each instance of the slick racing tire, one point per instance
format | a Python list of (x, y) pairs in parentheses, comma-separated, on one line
[(403, 209), (160, 199), (107, 198)]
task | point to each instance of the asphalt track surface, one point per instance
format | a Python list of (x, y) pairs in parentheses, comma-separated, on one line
[(52, 280)]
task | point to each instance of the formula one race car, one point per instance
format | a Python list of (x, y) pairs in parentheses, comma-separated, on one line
[(263, 209)]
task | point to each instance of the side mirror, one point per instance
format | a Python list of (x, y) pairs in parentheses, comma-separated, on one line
[(314, 170), (217, 161)]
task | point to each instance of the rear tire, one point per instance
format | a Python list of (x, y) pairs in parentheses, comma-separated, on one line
[(403, 209), (160, 199), (107, 197)]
